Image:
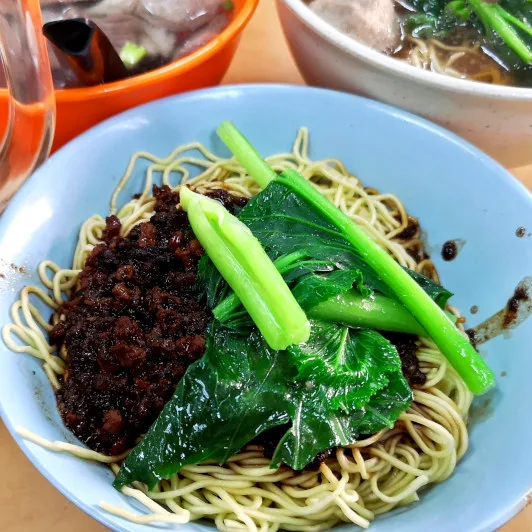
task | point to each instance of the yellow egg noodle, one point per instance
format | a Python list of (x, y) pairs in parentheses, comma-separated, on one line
[(361, 481), (463, 61)]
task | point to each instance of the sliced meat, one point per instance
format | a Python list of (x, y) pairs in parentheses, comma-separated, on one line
[(182, 16), (372, 22), (203, 36)]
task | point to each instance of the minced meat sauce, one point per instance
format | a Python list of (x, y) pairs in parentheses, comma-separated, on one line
[(133, 326), (406, 345)]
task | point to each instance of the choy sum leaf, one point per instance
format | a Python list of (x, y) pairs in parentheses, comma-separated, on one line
[(355, 363), (315, 428), (385, 406), (283, 222), (241, 388), (312, 425)]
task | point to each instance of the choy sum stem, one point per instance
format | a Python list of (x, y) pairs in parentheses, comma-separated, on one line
[(248, 270), (377, 312), (250, 159), (460, 353), (230, 304), (495, 18)]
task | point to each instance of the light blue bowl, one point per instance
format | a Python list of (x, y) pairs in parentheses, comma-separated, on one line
[(455, 190)]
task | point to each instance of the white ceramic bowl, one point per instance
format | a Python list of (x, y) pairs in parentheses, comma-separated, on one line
[(498, 119)]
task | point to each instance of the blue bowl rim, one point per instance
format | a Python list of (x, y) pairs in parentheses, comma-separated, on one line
[(502, 175)]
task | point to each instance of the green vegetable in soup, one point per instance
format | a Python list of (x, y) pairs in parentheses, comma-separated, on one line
[(132, 54), (507, 21), (504, 25)]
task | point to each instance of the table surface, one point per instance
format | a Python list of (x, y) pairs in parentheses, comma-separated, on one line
[(28, 503)]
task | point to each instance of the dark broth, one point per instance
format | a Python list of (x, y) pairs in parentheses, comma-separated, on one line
[(461, 54)]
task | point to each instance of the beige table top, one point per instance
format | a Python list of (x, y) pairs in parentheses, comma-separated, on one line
[(28, 503)]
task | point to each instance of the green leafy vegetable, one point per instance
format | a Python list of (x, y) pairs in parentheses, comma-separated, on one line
[(284, 222), (435, 18), (505, 25), (246, 267), (312, 281), (313, 424), (322, 268), (234, 392), (241, 387), (385, 406), (340, 357), (379, 265)]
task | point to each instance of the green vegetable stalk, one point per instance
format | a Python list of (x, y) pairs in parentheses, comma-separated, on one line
[(230, 304), (248, 270), (131, 54), (246, 154), (494, 17), (376, 312), (460, 353)]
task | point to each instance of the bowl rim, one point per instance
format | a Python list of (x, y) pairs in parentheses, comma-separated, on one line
[(401, 68), (168, 71)]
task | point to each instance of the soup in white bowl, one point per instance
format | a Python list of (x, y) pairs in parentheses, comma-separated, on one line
[(497, 117)]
